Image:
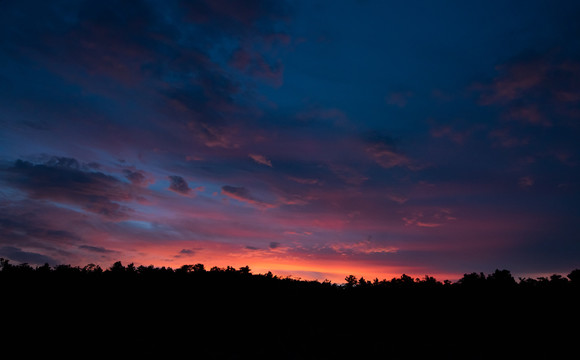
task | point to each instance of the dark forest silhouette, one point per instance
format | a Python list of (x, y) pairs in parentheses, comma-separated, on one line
[(229, 313)]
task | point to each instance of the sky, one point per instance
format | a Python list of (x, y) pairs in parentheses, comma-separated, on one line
[(313, 139)]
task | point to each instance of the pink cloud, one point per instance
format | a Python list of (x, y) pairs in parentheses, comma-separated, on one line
[(528, 114), (429, 218), (382, 149), (503, 138), (515, 80), (305, 181), (242, 194), (260, 159), (398, 198), (367, 246), (388, 158), (448, 132)]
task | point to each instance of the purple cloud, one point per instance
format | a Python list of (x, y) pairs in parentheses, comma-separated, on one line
[(62, 180), (179, 185)]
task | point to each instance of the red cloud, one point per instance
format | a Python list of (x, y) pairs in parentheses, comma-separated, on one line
[(242, 194)]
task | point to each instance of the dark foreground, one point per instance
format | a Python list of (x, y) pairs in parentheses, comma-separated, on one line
[(128, 312)]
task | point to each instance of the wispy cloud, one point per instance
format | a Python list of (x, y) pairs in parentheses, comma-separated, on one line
[(429, 218), (260, 159), (242, 194), (383, 150)]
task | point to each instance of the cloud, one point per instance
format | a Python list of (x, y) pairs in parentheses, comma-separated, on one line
[(383, 150), (237, 16), (255, 64), (136, 177), (179, 185), (388, 157), (429, 218), (97, 249), (162, 52), (367, 246), (503, 138), (305, 181), (516, 79), (260, 159), (348, 174), (19, 225), (17, 254), (296, 233), (526, 182), (457, 137), (528, 114), (185, 253), (242, 194), (532, 88), (62, 180), (398, 198)]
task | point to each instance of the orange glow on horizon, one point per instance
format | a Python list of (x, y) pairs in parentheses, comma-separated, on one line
[(334, 270)]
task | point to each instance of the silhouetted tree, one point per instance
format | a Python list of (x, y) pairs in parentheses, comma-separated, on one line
[(198, 268), (363, 282), (473, 280), (92, 268), (574, 277), (117, 268), (558, 280), (501, 278), (405, 281), (351, 281), (185, 268), (245, 270), (44, 269)]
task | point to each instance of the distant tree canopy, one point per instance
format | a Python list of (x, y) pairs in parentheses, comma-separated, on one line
[(232, 313), (499, 279)]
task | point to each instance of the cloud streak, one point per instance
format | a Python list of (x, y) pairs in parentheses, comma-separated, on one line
[(243, 195), (61, 180), (261, 159)]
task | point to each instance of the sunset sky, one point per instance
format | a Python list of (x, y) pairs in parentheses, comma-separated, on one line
[(311, 138)]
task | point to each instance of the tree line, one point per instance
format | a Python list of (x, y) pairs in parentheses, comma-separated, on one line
[(232, 313), (497, 279)]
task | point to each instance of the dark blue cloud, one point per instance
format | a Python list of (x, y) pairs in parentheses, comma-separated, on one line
[(179, 185), (62, 180), (96, 249), (16, 254)]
